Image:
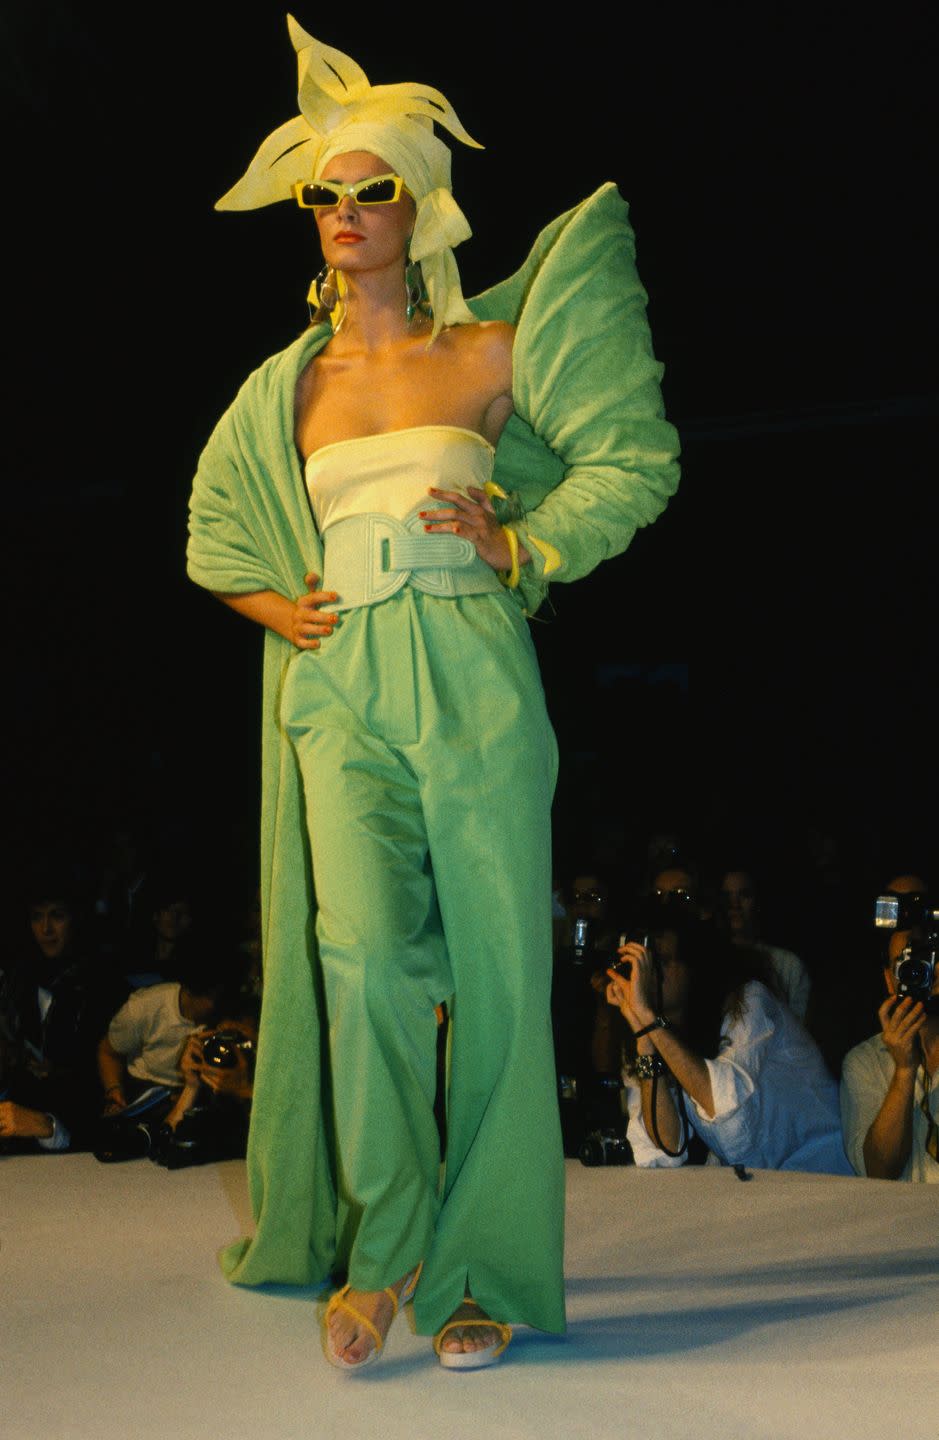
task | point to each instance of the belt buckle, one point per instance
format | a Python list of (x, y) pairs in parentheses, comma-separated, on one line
[(433, 558), (382, 578)]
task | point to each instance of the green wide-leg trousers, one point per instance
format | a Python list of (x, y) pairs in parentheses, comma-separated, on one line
[(428, 766)]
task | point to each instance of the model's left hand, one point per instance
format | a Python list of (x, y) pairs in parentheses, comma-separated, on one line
[(473, 517)]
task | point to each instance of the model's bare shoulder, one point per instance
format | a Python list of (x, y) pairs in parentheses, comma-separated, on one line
[(485, 354), (491, 340), (485, 350)]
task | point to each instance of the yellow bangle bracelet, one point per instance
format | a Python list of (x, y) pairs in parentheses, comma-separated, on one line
[(510, 577)]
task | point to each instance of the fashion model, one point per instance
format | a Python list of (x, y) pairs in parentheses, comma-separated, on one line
[(389, 497)]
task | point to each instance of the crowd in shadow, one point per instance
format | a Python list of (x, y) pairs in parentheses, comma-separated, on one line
[(684, 1034), (129, 1010)]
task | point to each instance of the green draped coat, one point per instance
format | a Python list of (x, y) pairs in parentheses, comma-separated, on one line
[(586, 459)]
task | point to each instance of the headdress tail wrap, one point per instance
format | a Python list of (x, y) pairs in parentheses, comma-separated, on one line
[(340, 112)]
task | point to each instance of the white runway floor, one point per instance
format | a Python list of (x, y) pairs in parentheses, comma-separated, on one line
[(699, 1306)]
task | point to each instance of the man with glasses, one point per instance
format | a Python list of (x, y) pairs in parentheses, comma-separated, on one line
[(890, 1086)]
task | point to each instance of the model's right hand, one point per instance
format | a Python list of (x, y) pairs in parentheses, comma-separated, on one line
[(308, 621), (900, 1023)]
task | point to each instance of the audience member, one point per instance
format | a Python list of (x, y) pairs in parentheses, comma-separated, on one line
[(676, 884), (209, 1118), (53, 1003), (717, 1053), (121, 885), (164, 916), (146, 1037), (906, 884), (889, 1094), (587, 943), (740, 911)]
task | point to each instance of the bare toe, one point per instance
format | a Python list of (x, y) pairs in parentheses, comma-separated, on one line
[(351, 1317), (472, 1337)]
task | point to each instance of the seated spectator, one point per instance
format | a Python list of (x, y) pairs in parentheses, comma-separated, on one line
[(53, 1004), (889, 1094), (151, 956), (209, 1119), (121, 884), (718, 1054), (141, 1050), (676, 884), (907, 884), (740, 911), (587, 944)]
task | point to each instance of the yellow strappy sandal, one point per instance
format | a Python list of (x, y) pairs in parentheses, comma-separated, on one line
[(471, 1359), (339, 1302)]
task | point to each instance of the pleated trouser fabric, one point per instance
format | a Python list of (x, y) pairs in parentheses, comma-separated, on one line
[(428, 766)]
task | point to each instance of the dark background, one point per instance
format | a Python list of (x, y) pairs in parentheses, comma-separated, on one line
[(757, 670)]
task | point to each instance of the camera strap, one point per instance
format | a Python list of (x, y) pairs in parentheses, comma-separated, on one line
[(679, 1097)]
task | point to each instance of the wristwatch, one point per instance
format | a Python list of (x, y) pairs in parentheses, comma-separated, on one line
[(659, 1023)]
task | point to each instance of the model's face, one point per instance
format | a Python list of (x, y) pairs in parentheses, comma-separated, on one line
[(51, 924), (357, 238), (739, 902)]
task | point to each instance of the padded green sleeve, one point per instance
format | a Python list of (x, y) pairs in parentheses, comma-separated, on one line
[(588, 453)]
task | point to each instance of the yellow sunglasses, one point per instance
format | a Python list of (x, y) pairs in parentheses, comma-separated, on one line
[(324, 194)]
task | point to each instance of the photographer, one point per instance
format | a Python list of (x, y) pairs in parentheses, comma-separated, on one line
[(210, 1116), (718, 1054), (138, 1057), (889, 1092)]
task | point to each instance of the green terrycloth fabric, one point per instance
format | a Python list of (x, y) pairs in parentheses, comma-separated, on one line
[(588, 459), (428, 765)]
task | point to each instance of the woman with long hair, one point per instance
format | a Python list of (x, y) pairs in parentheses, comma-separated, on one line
[(718, 1055)]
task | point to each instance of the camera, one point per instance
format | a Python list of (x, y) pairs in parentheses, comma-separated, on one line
[(605, 1147), (606, 1144), (906, 912), (914, 970), (222, 1046), (643, 938), (581, 937), (915, 973)]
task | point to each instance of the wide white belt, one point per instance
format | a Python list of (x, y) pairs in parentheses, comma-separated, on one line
[(370, 557)]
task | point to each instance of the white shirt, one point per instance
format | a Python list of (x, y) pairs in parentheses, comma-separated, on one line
[(792, 977), (865, 1079), (151, 1032), (775, 1104)]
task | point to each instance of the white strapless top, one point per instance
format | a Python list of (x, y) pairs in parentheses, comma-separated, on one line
[(390, 474)]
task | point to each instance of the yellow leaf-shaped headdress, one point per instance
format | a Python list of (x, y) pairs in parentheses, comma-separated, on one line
[(340, 111)]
